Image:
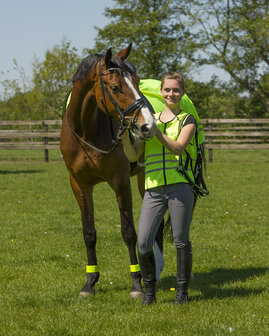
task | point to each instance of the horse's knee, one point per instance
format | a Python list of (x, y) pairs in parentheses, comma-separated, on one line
[(129, 235), (89, 237)]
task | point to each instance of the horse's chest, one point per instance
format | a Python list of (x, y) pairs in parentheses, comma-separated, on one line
[(94, 168)]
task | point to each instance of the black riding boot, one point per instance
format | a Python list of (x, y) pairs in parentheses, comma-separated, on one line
[(184, 266), (148, 270)]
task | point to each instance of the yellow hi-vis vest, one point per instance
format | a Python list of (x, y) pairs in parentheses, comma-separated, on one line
[(161, 166), (150, 88)]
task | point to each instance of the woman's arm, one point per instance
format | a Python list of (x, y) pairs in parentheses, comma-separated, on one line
[(177, 147), (132, 151)]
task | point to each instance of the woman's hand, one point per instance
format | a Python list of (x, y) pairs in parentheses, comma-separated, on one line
[(177, 147)]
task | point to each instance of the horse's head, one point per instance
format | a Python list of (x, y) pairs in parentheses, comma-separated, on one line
[(117, 94)]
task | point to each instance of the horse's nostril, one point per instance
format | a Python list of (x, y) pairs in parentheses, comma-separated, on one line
[(144, 128)]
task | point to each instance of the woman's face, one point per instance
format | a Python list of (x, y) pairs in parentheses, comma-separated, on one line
[(171, 92)]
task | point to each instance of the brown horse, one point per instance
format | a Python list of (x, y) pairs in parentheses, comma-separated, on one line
[(104, 86)]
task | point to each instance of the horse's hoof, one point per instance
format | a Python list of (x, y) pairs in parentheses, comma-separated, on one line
[(84, 294), (136, 295)]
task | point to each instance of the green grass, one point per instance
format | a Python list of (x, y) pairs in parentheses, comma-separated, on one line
[(42, 257), (28, 155)]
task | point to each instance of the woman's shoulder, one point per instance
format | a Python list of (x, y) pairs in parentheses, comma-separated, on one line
[(186, 119), (190, 120)]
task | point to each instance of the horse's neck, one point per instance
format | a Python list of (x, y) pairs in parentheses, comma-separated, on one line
[(90, 122), (89, 113), (82, 111)]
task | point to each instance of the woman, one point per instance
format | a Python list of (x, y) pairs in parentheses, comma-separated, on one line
[(166, 187)]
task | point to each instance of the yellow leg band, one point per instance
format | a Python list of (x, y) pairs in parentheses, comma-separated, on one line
[(92, 268), (135, 268)]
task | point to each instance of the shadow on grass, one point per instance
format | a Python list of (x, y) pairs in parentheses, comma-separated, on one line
[(210, 283), (30, 171)]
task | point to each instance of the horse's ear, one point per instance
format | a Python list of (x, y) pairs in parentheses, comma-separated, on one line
[(125, 52), (108, 57)]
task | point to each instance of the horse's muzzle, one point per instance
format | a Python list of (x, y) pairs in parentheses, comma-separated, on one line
[(144, 132)]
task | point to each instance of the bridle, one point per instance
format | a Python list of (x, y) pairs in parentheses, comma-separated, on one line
[(137, 105)]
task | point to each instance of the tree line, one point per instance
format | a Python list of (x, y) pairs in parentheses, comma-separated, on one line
[(185, 36)]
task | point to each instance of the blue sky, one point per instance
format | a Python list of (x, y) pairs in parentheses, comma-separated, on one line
[(28, 28)]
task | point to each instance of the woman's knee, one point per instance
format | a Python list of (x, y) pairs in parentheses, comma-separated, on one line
[(181, 242)]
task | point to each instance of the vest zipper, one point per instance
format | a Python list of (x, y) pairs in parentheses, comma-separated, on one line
[(164, 175)]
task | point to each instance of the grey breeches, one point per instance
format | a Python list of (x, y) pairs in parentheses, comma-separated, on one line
[(179, 199)]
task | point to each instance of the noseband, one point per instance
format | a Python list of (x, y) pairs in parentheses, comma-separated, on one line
[(137, 105)]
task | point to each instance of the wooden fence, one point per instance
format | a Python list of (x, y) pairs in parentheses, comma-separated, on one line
[(235, 134), (35, 134), (220, 134)]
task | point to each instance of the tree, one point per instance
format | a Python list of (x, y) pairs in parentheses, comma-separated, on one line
[(212, 101), (43, 96), (156, 33), (52, 77), (20, 101), (234, 35)]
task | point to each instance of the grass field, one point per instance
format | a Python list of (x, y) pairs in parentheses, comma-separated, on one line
[(43, 257)]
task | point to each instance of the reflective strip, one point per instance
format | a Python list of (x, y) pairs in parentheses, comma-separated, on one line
[(154, 162), (135, 268), (161, 154), (151, 155), (166, 160), (167, 168), (92, 268)]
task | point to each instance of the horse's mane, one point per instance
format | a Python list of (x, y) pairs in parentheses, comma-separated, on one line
[(85, 67), (90, 61)]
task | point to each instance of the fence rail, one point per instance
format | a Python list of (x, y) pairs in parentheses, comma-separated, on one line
[(34, 134), (220, 134), (236, 134)]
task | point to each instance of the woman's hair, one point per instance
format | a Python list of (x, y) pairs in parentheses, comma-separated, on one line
[(174, 75)]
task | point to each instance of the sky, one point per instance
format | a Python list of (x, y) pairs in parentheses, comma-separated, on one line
[(28, 28)]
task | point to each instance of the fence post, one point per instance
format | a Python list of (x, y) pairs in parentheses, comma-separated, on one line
[(45, 143), (210, 150)]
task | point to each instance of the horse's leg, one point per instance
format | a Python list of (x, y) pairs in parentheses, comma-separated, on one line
[(85, 202), (158, 244), (122, 188)]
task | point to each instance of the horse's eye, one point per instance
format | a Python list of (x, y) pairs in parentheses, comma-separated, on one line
[(115, 89)]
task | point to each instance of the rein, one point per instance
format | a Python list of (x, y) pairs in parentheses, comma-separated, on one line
[(86, 143), (138, 104)]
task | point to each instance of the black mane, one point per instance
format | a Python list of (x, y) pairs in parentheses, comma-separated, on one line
[(90, 61), (85, 67)]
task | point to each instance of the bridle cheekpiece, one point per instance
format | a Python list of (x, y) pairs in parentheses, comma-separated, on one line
[(137, 105)]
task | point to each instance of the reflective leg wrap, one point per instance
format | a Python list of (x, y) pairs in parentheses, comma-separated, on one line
[(135, 268), (92, 269)]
